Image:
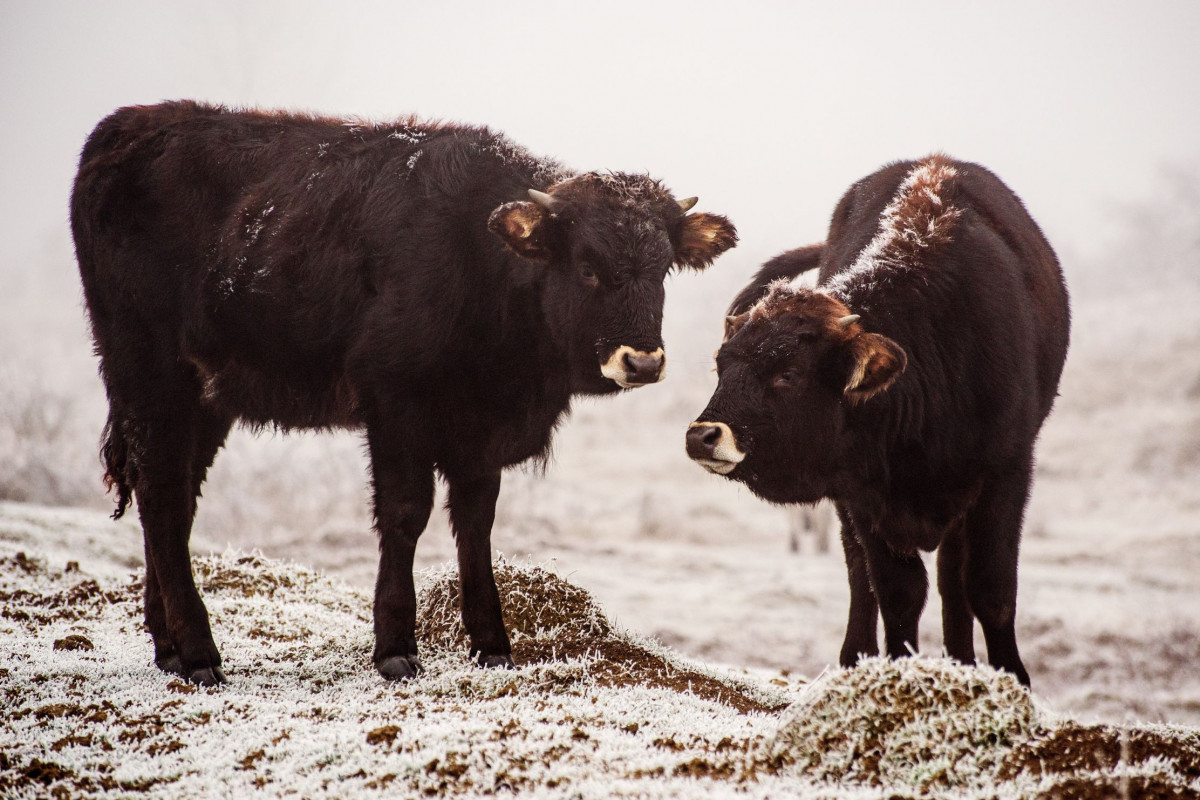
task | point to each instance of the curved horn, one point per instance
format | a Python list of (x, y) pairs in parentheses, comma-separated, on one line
[(544, 200), (848, 320), (686, 204)]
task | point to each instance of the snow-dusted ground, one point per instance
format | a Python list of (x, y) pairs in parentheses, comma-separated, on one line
[(304, 714), (1109, 613)]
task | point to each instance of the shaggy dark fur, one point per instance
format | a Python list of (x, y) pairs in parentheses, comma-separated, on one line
[(919, 418), (300, 272)]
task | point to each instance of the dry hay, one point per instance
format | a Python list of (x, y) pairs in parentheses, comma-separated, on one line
[(926, 723), (537, 605), (550, 620), (937, 726)]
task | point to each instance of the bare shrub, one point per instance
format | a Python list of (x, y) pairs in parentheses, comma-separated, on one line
[(46, 455)]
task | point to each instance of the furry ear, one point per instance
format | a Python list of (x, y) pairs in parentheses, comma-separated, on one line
[(701, 238), (524, 227), (875, 363)]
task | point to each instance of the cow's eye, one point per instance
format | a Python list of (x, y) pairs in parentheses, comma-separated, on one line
[(785, 379), (588, 275)]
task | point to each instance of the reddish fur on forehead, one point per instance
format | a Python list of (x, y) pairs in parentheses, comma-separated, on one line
[(616, 187), (820, 308)]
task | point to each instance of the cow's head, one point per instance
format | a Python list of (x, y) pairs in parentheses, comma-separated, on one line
[(607, 242), (788, 371)]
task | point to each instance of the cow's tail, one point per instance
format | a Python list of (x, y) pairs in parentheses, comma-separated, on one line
[(120, 471)]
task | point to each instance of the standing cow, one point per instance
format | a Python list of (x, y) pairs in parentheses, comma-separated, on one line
[(431, 284), (908, 387)]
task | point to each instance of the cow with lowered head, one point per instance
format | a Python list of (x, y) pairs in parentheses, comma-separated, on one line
[(432, 285), (908, 386)]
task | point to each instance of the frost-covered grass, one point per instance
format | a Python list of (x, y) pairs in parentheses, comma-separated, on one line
[(1106, 617), (593, 711)]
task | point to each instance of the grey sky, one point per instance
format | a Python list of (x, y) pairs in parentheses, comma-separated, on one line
[(766, 110)]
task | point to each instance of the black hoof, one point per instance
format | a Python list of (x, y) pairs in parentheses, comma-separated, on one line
[(207, 676), (399, 668), (495, 662), (170, 664)]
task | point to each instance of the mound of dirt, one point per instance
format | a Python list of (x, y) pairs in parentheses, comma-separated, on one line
[(537, 605), (934, 725), (1095, 762), (550, 619), (925, 723)]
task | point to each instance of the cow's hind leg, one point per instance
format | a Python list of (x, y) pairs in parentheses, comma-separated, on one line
[(472, 503), (166, 439), (993, 544), (403, 484), (209, 435), (958, 624), (862, 628)]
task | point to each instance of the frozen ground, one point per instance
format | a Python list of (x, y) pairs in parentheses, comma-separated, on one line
[(1109, 612), (594, 711)]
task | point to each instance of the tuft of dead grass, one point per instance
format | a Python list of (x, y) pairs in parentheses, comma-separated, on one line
[(537, 605), (551, 620), (927, 723)]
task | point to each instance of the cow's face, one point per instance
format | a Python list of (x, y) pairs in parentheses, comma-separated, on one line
[(787, 372), (607, 243)]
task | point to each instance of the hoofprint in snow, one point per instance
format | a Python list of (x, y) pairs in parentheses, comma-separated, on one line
[(87, 714)]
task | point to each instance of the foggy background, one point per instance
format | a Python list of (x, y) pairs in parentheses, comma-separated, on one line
[(767, 111)]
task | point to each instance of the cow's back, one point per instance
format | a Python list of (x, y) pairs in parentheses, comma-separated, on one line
[(152, 191), (271, 250), (1041, 286), (979, 305)]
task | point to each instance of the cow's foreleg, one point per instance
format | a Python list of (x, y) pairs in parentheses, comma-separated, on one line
[(862, 631), (993, 543), (900, 585), (958, 625), (472, 504), (403, 500)]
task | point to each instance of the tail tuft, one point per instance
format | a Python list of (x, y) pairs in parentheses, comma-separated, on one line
[(119, 471)]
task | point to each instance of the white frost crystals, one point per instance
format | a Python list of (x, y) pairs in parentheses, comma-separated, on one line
[(916, 216), (922, 722), (407, 134), (255, 227)]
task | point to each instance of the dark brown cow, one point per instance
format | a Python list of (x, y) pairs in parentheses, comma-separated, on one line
[(434, 285), (909, 387)]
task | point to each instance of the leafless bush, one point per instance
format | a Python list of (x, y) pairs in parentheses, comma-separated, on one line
[(46, 454)]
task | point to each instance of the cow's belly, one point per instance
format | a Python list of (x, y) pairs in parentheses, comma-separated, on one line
[(263, 398), (490, 438)]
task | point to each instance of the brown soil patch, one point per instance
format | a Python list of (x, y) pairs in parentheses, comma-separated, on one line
[(247, 576), (550, 620), (622, 664), (1091, 788), (74, 642), (1098, 748)]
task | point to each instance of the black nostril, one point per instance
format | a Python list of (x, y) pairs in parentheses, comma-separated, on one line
[(642, 368), (702, 440)]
